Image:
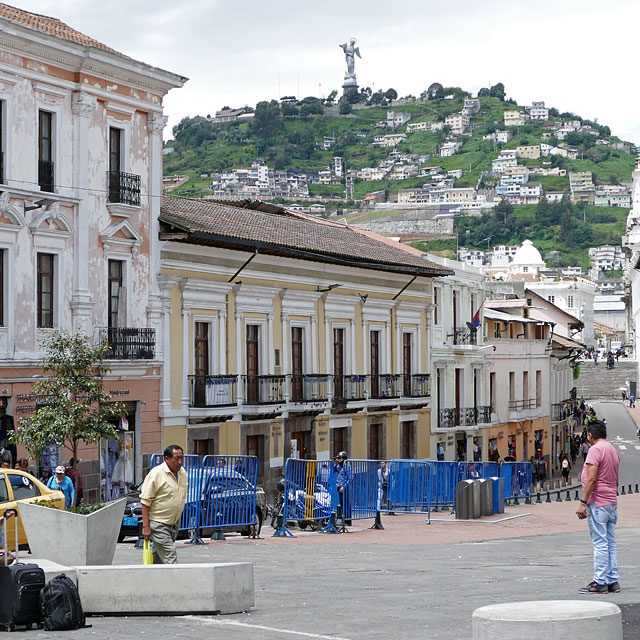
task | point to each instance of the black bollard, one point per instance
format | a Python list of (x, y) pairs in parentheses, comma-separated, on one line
[(538, 501), (623, 492), (629, 492), (378, 523), (527, 500), (217, 535), (515, 501), (548, 497), (568, 498), (558, 498), (636, 491), (576, 497)]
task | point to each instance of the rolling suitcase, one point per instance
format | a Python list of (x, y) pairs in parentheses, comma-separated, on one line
[(20, 586)]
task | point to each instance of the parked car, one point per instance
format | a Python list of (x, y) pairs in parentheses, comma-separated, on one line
[(19, 486), (132, 515)]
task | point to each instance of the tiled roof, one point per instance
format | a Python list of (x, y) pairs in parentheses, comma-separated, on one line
[(274, 230), (51, 26)]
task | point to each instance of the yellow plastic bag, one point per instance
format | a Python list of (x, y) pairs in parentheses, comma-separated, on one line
[(147, 555)]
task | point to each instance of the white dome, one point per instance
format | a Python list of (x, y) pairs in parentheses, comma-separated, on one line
[(527, 254)]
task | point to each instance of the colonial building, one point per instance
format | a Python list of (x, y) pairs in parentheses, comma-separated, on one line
[(81, 180), (288, 336)]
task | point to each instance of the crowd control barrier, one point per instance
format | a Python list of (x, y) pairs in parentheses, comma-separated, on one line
[(310, 494), (517, 480), (192, 464), (221, 492), (444, 477), (409, 486), (362, 482), (476, 470), (228, 493)]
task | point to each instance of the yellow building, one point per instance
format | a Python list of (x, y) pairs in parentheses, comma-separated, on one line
[(289, 336), (513, 118)]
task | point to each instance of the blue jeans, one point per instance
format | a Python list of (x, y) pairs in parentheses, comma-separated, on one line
[(602, 527)]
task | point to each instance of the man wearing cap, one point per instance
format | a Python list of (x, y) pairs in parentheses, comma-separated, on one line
[(163, 495), (61, 482)]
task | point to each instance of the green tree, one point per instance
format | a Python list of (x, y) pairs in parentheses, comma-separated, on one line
[(435, 91), (76, 408), (391, 94), (344, 107), (267, 123), (484, 93), (289, 109), (497, 91)]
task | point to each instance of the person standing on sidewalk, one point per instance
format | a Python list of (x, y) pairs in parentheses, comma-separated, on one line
[(163, 495), (599, 506)]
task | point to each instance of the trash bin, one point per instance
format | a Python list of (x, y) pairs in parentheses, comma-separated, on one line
[(498, 494), (486, 496), (464, 500)]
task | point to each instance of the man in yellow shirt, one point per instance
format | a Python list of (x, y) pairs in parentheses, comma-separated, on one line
[(163, 495)]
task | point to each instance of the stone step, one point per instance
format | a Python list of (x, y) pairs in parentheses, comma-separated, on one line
[(596, 381)]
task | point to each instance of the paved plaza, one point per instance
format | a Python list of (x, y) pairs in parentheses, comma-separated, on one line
[(411, 580)]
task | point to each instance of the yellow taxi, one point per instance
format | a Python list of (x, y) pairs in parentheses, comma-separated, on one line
[(18, 486)]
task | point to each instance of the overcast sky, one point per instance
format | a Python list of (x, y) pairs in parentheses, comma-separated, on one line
[(576, 55)]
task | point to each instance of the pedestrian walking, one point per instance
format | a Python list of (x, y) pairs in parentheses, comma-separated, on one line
[(632, 401), (599, 506), (585, 446), (163, 495), (73, 473), (343, 480), (623, 393), (566, 470), (595, 357), (541, 468)]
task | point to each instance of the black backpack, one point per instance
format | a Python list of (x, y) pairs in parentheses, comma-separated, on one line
[(60, 605)]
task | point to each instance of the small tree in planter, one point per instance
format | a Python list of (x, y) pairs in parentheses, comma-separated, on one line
[(75, 406)]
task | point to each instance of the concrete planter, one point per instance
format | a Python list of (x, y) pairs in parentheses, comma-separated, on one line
[(72, 539)]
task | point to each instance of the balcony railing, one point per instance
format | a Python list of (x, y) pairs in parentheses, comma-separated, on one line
[(263, 389), (417, 385), (123, 188), (466, 417), (447, 419), (558, 412), (45, 176), (212, 391), (522, 405), (352, 387), (308, 387), (384, 385), (463, 335), (483, 415), (129, 343)]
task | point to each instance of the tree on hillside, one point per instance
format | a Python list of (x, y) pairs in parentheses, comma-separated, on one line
[(391, 94), (344, 107), (289, 110), (504, 211), (497, 91), (484, 93), (351, 96), (435, 91), (76, 408), (267, 123), (331, 98)]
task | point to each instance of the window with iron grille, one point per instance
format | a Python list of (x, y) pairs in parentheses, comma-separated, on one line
[(45, 151), (46, 263)]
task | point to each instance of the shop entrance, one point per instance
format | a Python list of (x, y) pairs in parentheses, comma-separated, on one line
[(117, 458)]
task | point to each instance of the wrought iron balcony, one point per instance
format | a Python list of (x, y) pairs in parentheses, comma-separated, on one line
[(45, 176), (123, 188), (483, 415), (463, 335), (308, 387), (384, 385), (212, 391), (447, 419), (263, 389), (559, 412), (347, 388), (466, 417), (417, 385), (129, 343)]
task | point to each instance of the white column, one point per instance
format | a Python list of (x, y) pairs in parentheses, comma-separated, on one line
[(399, 347), (327, 345), (314, 345), (239, 364), (387, 340), (186, 315), (285, 354), (270, 347), (82, 106), (352, 345), (222, 345), (165, 389)]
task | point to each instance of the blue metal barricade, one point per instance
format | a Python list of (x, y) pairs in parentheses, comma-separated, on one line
[(444, 477), (474, 470), (192, 464), (228, 492), (409, 487), (310, 493), (361, 492), (517, 479)]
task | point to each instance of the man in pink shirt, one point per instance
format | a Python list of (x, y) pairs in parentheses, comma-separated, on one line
[(599, 504)]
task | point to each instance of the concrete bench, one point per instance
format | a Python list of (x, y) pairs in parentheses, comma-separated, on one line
[(52, 569), (175, 589), (586, 619)]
